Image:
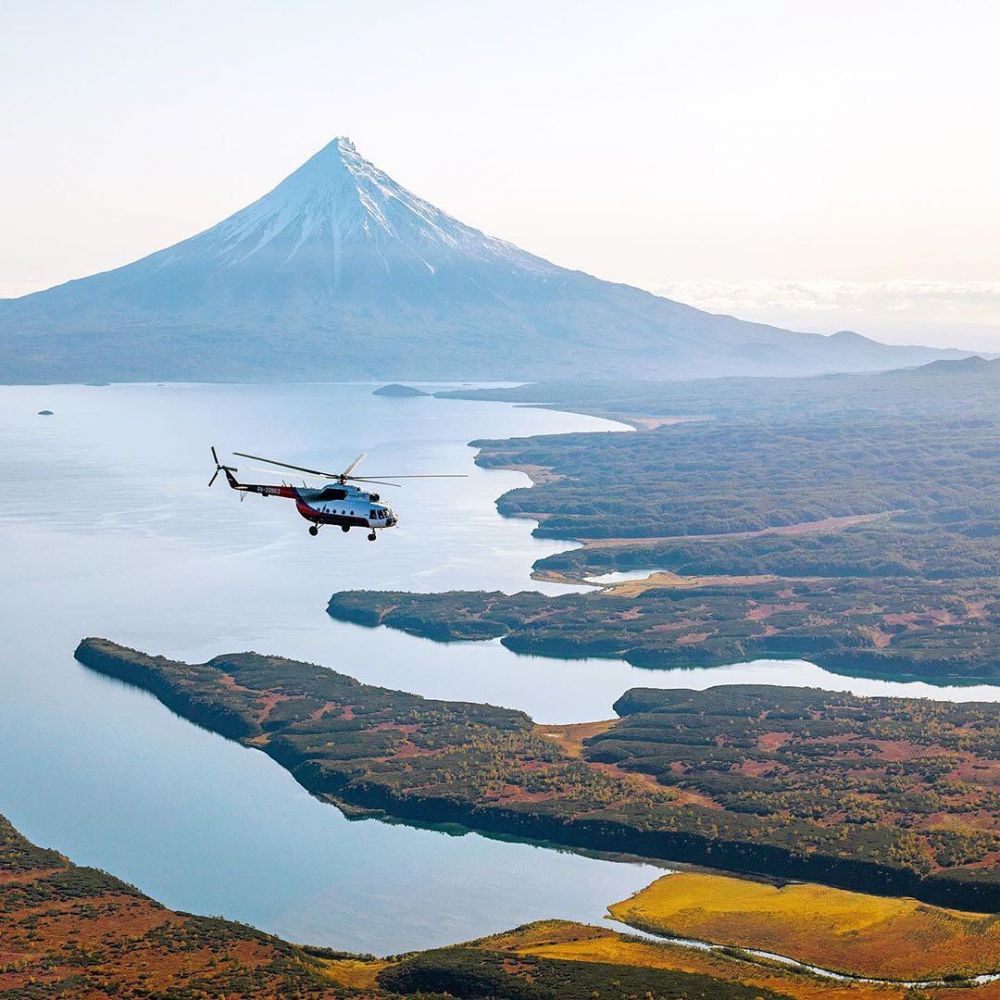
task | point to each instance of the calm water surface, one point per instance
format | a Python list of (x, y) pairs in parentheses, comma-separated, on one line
[(106, 528)]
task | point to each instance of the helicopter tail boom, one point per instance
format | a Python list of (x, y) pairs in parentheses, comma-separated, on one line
[(266, 489)]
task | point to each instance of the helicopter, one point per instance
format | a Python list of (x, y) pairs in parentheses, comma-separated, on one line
[(337, 502)]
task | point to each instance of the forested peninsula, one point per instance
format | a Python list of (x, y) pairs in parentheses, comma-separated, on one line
[(887, 795)]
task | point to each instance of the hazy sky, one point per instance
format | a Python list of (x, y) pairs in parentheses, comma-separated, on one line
[(815, 164)]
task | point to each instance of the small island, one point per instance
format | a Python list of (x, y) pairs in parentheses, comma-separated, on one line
[(397, 391), (45, 413)]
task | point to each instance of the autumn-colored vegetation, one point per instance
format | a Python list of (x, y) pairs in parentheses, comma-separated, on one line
[(850, 932), (531, 954), (556, 939), (78, 933), (899, 780)]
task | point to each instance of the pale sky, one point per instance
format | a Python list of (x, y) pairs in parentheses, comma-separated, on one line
[(814, 164)]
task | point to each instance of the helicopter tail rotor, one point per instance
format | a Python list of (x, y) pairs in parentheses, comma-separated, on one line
[(219, 467)]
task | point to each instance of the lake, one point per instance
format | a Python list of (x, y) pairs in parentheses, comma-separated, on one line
[(107, 528)]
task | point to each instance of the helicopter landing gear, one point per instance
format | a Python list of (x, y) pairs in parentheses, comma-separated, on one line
[(345, 527), (372, 536), (314, 530)]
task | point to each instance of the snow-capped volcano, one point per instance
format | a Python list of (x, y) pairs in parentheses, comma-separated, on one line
[(337, 203), (339, 272)]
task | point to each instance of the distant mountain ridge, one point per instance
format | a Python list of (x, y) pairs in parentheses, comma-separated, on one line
[(339, 272), (973, 364)]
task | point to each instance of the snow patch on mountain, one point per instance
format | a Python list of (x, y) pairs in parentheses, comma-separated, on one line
[(338, 202)]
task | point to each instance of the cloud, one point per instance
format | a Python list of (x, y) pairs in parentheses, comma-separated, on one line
[(950, 313)]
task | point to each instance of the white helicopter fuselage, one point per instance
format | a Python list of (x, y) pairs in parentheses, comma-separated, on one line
[(343, 505), (339, 502)]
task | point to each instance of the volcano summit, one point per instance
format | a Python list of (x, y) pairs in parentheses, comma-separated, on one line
[(340, 272)]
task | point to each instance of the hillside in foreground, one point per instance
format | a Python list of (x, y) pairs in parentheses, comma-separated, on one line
[(67, 931), (80, 934), (74, 933)]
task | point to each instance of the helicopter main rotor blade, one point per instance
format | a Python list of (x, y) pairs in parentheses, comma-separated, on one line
[(381, 482), (275, 474), (285, 465), (346, 474)]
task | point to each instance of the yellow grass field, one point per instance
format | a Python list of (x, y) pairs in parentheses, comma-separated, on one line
[(568, 941), (355, 973), (851, 932), (581, 943)]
